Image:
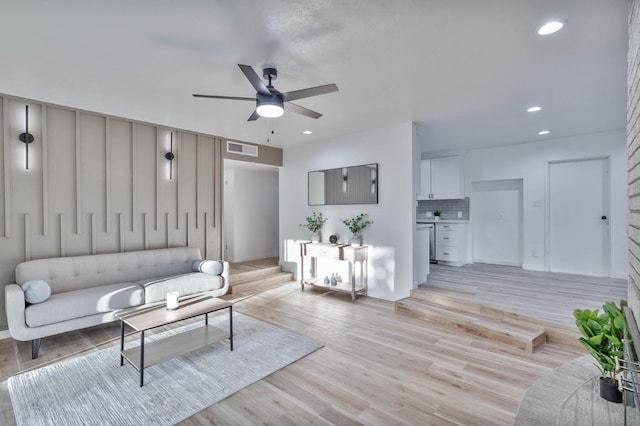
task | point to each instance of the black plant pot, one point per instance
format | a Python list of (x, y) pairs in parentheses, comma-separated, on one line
[(609, 390)]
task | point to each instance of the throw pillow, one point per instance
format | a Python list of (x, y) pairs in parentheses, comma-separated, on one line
[(36, 291), (212, 267)]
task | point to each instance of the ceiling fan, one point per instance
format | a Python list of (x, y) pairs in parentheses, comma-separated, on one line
[(269, 101)]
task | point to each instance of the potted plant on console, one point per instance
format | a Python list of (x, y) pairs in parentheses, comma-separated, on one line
[(314, 224), (602, 336), (436, 214), (356, 226)]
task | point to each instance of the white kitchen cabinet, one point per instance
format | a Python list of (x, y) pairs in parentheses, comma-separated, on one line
[(451, 243), (441, 178)]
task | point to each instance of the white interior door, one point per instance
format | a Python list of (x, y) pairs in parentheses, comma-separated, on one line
[(497, 222), (578, 217)]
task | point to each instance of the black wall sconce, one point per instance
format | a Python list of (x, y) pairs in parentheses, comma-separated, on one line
[(26, 137), (170, 156)]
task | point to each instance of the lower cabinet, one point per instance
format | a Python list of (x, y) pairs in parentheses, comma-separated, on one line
[(451, 243)]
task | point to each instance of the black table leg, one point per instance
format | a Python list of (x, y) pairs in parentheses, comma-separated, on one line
[(206, 319), (231, 326), (121, 342), (142, 358)]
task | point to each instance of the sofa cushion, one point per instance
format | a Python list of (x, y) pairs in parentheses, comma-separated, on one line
[(81, 303), (36, 291), (79, 272), (213, 267), (196, 282)]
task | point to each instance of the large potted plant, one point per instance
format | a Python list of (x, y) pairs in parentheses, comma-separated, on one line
[(314, 224), (602, 337), (356, 225)]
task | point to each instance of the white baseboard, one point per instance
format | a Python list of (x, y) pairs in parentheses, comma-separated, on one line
[(4, 334), (497, 262), (533, 267), (621, 276)]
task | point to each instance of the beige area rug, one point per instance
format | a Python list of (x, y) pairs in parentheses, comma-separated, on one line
[(95, 390), (569, 395)]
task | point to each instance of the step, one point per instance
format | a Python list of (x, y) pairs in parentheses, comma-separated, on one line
[(560, 334), (262, 283), (523, 338), (242, 277)]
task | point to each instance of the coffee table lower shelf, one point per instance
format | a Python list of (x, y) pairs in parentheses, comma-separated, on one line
[(174, 346)]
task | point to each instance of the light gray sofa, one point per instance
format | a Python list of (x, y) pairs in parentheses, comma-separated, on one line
[(90, 290)]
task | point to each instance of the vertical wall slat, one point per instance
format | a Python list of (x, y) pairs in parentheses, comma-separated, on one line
[(94, 234), (146, 230), (121, 231), (78, 175), (63, 235), (27, 237), (167, 229), (134, 177), (197, 179), (206, 239), (45, 173), (188, 227), (157, 158), (107, 172), (177, 176), (7, 168)]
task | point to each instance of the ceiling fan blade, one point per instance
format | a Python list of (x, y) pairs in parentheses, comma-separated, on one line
[(255, 80), (302, 110), (235, 98), (311, 91), (254, 116)]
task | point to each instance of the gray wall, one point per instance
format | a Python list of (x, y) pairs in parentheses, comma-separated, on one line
[(100, 184), (633, 144)]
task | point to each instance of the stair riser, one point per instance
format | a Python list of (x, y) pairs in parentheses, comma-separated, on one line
[(261, 284), (527, 343), (243, 277)]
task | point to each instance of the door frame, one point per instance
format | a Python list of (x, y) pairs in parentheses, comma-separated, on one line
[(606, 202)]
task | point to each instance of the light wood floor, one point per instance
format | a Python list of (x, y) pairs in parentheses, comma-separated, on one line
[(546, 295), (378, 366)]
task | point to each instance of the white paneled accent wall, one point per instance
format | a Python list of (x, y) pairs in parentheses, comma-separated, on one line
[(101, 184)]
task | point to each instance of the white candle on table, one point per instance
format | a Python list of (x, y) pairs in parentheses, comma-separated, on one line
[(172, 300)]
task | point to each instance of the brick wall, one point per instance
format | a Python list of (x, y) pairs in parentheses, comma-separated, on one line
[(633, 145)]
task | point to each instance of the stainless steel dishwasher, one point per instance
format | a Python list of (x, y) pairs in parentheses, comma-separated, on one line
[(432, 243)]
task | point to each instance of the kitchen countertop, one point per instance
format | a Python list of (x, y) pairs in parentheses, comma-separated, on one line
[(441, 221)]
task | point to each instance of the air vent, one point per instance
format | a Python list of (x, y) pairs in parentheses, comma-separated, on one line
[(242, 149)]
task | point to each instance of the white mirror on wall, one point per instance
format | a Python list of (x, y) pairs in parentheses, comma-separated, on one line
[(344, 185)]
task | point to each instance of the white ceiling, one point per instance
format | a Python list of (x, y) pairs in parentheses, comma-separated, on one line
[(465, 70)]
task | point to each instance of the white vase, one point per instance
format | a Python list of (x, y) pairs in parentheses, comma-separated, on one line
[(316, 237), (356, 241)]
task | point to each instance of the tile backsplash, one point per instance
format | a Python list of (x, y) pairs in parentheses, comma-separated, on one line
[(449, 208)]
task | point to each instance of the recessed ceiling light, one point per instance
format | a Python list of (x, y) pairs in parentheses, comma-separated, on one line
[(307, 132), (551, 27), (543, 132), (534, 109)]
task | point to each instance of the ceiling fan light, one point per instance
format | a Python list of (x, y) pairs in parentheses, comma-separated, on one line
[(272, 108)]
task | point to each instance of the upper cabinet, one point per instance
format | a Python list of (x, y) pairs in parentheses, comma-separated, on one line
[(441, 178)]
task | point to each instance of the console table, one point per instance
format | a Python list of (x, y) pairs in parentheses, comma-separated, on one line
[(342, 252)]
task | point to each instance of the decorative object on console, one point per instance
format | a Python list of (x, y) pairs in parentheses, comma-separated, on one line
[(602, 337), (333, 239), (314, 224), (334, 281), (356, 226), (326, 280), (26, 137)]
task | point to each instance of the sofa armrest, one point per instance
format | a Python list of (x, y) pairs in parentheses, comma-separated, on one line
[(225, 276), (15, 305)]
